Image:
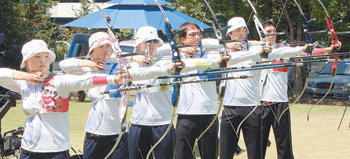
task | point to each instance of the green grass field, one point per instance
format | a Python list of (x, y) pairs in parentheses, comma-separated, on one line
[(313, 139)]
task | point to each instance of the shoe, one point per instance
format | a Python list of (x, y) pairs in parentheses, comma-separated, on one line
[(239, 151)]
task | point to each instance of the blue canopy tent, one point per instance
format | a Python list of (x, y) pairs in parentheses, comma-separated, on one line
[(134, 17), (139, 2)]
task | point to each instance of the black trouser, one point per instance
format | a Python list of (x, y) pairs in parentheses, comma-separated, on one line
[(99, 147), (271, 116), (188, 128), (142, 138), (251, 128)]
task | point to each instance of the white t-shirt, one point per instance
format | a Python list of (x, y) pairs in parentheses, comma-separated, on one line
[(103, 117), (276, 89), (247, 92), (198, 98), (152, 106), (46, 128)]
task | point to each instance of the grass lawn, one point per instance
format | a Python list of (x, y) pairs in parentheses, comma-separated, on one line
[(313, 139)]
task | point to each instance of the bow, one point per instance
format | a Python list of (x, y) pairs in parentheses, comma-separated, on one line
[(175, 58), (262, 34), (223, 83), (261, 31), (334, 42), (309, 40), (309, 56), (335, 63), (122, 68)]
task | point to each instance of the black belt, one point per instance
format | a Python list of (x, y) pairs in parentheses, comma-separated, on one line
[(22, 151), (96, 135)]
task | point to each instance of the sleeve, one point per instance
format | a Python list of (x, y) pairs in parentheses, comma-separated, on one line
[(7, 81), (145, 73), (67, 83), (285, 52), (241, 56), (164, 50), (210, 44), (318, 51), (71, 66), (213, 57), (200, 63)]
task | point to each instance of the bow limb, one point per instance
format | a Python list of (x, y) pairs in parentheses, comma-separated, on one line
[(122, 68), (260, 29), (175, 58)]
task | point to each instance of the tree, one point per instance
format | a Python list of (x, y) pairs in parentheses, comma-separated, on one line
[(21, 22), (284, 12)]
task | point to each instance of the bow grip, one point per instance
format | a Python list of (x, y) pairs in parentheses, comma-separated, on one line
[(177, 70), (223, 64), (309, 50), (334, 65)]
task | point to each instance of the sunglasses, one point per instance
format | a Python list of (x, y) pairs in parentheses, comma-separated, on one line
[(193, 34)]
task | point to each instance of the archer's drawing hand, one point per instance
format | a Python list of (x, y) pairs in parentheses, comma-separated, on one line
[(224, 58), (94, 64)]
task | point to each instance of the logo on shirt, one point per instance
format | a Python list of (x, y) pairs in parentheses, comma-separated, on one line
[(50, 101)]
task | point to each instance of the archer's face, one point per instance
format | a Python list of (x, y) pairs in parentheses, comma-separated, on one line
[(40, 62), (240, 33), (193, 35), (152, 45), (102, 53), (270, 29)]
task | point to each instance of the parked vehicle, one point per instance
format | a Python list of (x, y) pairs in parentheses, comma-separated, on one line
[(318, 85), (79, 48)]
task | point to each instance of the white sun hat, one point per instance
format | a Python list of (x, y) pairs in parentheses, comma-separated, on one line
[(98, 39), (147, 33), (33, 47), (235, 23)]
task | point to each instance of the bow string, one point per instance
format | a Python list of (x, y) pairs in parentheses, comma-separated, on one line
[(176, 57), (222, 87), (335, 57)]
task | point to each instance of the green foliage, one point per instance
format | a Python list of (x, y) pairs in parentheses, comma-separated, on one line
[(84, 10), (273, 9), (60, 49), (21, 22), (68, 33)]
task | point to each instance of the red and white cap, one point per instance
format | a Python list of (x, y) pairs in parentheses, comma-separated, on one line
[(98, 39)]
